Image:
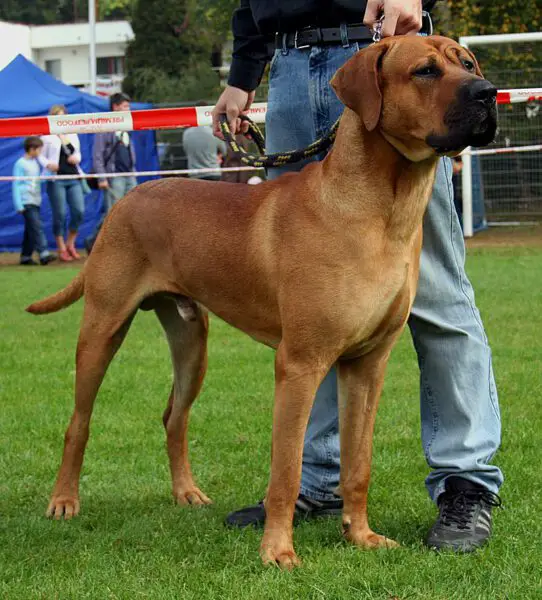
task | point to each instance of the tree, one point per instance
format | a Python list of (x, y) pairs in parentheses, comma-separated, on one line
[(115, 9), (47, 12), (457, 18), (36, 12), (170, 58), (507, 65), (215, 17)]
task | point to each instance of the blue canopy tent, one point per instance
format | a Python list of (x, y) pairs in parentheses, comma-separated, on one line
[(27, 91)]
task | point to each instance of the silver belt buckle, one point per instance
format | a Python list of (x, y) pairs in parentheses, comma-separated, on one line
[(295, 43)]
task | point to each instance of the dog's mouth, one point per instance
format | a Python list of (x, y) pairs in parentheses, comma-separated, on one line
[(478, 129), (483, 127), (469, 123)]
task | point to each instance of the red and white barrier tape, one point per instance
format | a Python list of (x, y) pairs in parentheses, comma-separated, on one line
[(138, 120), (216, 170), (165, 118), (511, 150), (519, 95)]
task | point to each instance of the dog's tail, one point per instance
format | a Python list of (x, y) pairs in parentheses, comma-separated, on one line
[(61, 299)]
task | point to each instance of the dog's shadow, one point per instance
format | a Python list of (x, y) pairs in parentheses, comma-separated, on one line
[(151, 522)]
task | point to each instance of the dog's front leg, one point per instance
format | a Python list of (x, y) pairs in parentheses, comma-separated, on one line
[(297, 378), (360, 386)]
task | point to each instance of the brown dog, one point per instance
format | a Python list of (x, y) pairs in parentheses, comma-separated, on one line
[(321, 265)]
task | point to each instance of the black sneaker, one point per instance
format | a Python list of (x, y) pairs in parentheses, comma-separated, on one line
[(28, 262), (47, 259), (464, 520), (305, 508)]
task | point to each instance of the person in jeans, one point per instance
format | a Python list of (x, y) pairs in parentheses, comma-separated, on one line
[(113, 153), (62, 155), (459, 409), (27, 202)]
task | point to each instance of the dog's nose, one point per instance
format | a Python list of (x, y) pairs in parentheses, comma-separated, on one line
[(482, 91)]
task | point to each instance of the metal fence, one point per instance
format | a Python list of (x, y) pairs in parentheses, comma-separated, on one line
[(507, 185), (512, 183)]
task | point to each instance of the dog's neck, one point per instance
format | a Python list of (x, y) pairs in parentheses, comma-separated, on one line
[(400, 195)]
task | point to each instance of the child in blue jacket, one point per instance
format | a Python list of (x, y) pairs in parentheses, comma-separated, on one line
[(27, 201)]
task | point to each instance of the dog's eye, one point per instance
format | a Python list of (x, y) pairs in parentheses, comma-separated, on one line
[(428, 71), (468, 64)]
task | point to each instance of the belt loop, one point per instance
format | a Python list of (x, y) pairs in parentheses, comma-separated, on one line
[(284, 49), (319, 36), (344, 35)]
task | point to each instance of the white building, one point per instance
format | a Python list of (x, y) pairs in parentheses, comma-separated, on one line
[(14, 39), (63, 50)]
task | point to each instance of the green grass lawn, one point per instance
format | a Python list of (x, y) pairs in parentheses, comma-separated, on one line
[(131, 541)]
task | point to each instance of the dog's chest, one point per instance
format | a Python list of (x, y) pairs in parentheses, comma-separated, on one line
[(376, 309)]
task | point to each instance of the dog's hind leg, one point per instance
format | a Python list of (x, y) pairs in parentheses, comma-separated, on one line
[(102, 333), (186, 332)]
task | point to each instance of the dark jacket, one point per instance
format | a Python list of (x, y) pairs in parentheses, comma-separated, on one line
[(255, 23), (103, 153)]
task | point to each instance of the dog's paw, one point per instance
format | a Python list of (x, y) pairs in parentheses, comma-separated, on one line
[(191, 495), (277, 549), (285, 559), (368, 539), (63, 506)]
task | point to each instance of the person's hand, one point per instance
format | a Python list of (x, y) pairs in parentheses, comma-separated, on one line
[(234, 102), (72, 160), (52, 167), (103, 185), (401, 17)]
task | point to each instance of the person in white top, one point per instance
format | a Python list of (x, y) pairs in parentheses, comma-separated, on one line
[(62, 155)]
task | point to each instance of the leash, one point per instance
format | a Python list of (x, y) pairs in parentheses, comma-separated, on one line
[(280, 159), (265, 161), (377, 29)]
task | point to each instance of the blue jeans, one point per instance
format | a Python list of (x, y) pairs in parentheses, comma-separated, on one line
[(459, 408), (33, 237), (118, 187), (62, 192)]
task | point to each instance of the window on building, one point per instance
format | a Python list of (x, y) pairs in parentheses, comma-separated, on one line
[(110, 65), (53, 68)]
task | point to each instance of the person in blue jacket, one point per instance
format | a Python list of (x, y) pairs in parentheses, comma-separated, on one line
[(27, 202)]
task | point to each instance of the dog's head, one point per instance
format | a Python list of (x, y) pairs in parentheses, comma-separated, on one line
[(426, 95)]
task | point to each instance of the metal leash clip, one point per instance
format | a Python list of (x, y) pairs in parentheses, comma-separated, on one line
[(427, 24), (377, 29)]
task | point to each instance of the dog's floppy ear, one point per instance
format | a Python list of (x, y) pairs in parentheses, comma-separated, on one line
[(357, 85)]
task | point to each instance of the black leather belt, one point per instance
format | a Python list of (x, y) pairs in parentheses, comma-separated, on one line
[(343, 35), (315, 36)]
